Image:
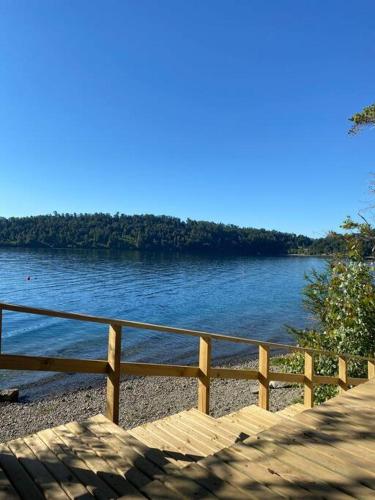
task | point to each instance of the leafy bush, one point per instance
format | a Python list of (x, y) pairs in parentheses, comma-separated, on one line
[(342, 302)]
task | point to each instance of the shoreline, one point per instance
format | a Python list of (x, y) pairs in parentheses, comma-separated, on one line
[(142, 399)]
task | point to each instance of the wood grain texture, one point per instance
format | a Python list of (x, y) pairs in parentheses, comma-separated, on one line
[(113, 373), (309, 376), (204, 375), (264, 381)]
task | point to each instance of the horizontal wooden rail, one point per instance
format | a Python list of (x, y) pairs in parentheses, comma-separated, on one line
[(39, 363), (323, 380), (293, 378), (170, 329), (234, 374), (158, 370), (356, 381), (112, 367)]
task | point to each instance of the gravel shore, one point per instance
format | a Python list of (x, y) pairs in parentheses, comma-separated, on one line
[(142, 399)]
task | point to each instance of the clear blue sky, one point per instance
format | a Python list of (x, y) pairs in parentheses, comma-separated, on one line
[(232, 111)]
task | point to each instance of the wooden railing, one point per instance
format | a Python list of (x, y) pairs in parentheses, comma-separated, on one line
[(113, 367)]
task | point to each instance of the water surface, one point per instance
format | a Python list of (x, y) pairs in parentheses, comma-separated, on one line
[(245, 296)]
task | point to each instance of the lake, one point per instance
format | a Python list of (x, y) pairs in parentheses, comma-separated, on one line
[(245, 296)]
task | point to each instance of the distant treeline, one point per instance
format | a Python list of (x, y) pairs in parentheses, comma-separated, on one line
[(150, 232)]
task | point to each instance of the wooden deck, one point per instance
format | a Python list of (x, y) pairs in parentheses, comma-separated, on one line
[(324, 452)]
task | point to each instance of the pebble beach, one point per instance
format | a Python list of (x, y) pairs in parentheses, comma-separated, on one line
[(142, 399)]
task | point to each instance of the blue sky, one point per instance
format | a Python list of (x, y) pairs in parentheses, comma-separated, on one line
[(231, 111)]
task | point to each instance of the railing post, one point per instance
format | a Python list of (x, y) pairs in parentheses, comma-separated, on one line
[(113, 374), (264, 371), (343, 374), (309, 375), (204, 375), (371, 369)]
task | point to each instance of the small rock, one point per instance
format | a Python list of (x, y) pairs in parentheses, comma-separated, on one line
[(9, 395), (274, 384)]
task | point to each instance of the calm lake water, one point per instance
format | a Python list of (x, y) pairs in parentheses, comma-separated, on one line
[(245, 296)]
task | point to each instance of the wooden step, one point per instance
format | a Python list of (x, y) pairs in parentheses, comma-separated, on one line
[(250, 420), (292, 410), (188, 436), (324, 452)]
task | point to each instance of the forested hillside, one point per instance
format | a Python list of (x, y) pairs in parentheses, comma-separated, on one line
[(149, 232)]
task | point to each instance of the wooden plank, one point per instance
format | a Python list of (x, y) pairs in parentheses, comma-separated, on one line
[(277, 477), (181, 440), (364, 458), (114, 371), (166, 329), (93, 483), (294, 378), (192, 471), (204, 375), (356, 380), (234, 373), (177, 430), (152, 462), (98, 465), (218, 485), (243, 425), (309, 468), (129, 448), (220, 429), (159, 370), (260, 418), (7, 491), (18, 475), (330, 446), (40, 363), (287, 436), (64, 476), (174, 451), (207, 430), (361, 441), (371, 369), (264, 368), (348, 429), (309, 375), (343, 374), (41, 476), (156, 454), (230, 424), (325, 380), (284, 468), (160, 491), (119, 462), (216, 467), (291, 411)]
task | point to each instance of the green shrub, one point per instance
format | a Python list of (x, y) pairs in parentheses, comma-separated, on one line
[(342, 302)]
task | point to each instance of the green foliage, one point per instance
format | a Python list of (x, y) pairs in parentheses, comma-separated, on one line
[(147, 232), (362, 119), (342, 303)]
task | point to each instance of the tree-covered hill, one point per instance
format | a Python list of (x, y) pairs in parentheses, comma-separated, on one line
[(149, 232)]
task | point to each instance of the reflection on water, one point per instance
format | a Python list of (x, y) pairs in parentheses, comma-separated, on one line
[(247, 296)]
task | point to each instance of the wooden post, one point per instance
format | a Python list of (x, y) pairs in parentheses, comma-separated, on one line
[(113, 374), (343, 374), (371, 369), (309, 375), (264, 371), (204, 375)]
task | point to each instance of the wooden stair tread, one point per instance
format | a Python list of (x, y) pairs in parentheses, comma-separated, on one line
[(292, 410), (325, 452)]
